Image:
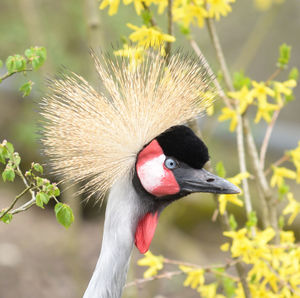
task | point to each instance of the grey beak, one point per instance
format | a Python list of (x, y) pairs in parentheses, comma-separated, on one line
[(200, 180)]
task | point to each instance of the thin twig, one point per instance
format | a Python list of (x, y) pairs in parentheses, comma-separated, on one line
[(147, 8), (140, 281), (170, 28), (15, 201), (217, 45), (25, 206), (273, 75), (210, 72), (8, 74), (267, 137), (277, 163)]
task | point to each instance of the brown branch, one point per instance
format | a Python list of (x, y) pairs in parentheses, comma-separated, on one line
[(240, 137), (240, 143), (267, 137), (269, 202)]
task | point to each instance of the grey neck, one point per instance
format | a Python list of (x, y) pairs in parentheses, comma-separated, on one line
[(122, 213)]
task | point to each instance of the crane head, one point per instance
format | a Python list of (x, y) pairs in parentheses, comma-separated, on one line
[(171, 167)]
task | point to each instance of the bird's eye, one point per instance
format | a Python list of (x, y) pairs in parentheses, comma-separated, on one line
[(170, 163)]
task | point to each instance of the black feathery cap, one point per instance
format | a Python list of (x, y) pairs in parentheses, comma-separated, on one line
[(181, 143)]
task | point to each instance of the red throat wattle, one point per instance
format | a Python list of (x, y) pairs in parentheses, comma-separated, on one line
[(145, 231)]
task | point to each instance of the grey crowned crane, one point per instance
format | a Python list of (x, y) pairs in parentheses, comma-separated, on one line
[(130, 139)]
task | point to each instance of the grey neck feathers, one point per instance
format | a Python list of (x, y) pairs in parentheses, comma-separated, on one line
[(122, 213)]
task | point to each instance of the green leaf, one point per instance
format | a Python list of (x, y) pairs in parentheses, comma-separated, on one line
[(3, 153), (39, 181), (7, 218), (37, 56), (8, 175), (26, 88), (146, 16), (41, 199), (37, 167), (284, 56), (252, 221), (229, 287), (16, 158), (64, 214), (56, 192), (220, 169), (289, 98), (281, 221), (294, 74), (282, 191), (15, 63), (240, 80), (232, 222), (10, 147), (185, 30), (20, 63), (10, 64)]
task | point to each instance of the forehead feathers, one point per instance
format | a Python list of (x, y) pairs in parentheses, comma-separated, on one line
[(95, 137), (181, 142)]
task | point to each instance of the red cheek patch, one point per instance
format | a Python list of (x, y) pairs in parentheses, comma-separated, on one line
[(153, 175), (145, 231)]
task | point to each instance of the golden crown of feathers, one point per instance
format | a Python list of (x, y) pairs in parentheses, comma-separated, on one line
[(95, 136)]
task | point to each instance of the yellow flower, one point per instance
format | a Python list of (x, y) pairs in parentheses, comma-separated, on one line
[(113, 6), (224, 199), (293, 208), (295, 154), (241, 244), (287, 237), (279, 173), (162, 4), (149, 37), (263, 237), (209, 291), (218, 8), (189, 12), (283, 88), (264, 111), (244, 96), (195, 277), (260, 91), (134, 54), (225, 246), (138, 5), (155, 264), (226, 114)]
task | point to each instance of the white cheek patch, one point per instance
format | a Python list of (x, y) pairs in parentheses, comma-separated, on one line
[(152, 172)]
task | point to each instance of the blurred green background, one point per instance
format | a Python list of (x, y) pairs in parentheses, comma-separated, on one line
[(38, 257)]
